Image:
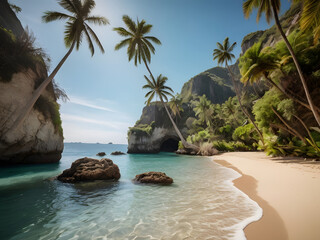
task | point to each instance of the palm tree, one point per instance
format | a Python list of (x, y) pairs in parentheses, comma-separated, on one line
[(175, 105), (223, 55), (139, 45), (158, 88), (229, 107), (76, 26), (203, 110), (257, 63), (271, 9)]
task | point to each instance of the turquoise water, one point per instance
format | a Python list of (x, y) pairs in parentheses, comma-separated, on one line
[(201, 204)]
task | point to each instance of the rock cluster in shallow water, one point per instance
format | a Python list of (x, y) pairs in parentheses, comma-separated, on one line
[(89, 169), (153, 177)]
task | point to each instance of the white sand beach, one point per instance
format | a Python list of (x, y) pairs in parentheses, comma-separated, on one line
[(287, 189)]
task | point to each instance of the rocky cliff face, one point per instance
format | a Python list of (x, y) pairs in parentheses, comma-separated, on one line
[(154, 131), (8, 19), (39, 139), (215, 83), (289, 22)]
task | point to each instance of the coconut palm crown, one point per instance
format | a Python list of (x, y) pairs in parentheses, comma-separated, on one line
[(223, 52), (257, 63), (158, 88), (77, 22), (263, 6), (139, 45)]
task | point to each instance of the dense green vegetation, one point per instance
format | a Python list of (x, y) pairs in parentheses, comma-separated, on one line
[(282, 112), (141, 129)]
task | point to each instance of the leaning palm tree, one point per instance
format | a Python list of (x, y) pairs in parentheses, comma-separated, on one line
[(159, 89), (139, 45), (76, 26), (271, 9), (223, 55)]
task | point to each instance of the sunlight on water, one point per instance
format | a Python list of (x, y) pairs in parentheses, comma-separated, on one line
[(201, 204)]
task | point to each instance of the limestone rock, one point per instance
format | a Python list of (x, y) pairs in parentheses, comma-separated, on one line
[(153, 177), (39, 139), (89, 169)]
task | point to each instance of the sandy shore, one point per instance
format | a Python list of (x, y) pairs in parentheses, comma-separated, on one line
[(287, 189)]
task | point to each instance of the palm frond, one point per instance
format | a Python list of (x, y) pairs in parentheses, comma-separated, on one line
[(50, 16), (148, 93), (123, 43), (150, 98), (87, 7), (146, 29), (95, 38), (91, 47), (97, 20), (130, 23), (69, 33), (68, 5), (122, 32), (153, 39), (150, 46)]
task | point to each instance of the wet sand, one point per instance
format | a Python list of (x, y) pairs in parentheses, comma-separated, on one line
[(287, 189)]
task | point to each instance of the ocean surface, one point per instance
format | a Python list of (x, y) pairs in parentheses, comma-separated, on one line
[(202, 203)]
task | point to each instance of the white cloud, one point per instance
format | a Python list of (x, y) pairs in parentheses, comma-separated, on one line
[(90, 104)]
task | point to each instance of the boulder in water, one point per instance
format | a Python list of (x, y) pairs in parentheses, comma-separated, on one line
[(101, 154), (153, 177), (89, 169), (117, 153)]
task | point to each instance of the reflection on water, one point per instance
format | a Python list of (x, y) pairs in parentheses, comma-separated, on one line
[(201, 204)]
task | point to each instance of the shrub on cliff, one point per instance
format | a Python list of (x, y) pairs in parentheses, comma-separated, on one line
[(18, 53), (142, 129)]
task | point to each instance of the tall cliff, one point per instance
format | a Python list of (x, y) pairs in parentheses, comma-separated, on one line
[(22, 68)]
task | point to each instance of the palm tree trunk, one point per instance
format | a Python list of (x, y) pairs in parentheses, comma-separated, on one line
[(282, 127), (305, 126), (242, 108), (287, 94), (303, 81), (25, 110), (184, 142), (288, 126), (145, 63)]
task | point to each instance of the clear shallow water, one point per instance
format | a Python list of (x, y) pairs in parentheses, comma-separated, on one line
[(201, 204)]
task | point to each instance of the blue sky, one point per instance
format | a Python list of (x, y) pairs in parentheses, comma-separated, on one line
[(105, 90)]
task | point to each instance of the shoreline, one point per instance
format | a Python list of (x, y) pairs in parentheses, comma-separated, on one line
[(287, 190)]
